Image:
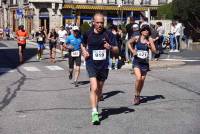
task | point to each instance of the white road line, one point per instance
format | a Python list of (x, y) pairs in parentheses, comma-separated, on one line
[(54, 68), (5, 70), (31, 69), (179, 60)]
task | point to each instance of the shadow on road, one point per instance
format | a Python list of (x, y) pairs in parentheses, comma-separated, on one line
[(111, 93), (145, 99), (83, 82), (106, 112), (9, 58)]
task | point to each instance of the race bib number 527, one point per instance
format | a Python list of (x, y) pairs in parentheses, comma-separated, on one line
[(99, 54), (142, 54)]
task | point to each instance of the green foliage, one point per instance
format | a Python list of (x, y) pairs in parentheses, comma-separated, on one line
[(84, 27), (165, 11), (188, 12)]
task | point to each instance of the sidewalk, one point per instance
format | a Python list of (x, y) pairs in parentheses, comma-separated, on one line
[(158, 64), (153, 64)]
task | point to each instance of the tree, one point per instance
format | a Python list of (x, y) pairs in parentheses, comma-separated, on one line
[(85, 27), (188, 12), (165, 11)]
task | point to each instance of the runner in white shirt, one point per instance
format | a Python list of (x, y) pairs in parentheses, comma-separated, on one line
[(62, 35)]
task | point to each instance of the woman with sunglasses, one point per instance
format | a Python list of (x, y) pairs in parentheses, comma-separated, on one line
[(139, 48)]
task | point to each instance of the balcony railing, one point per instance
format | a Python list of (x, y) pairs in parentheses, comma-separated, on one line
[(118, 2)]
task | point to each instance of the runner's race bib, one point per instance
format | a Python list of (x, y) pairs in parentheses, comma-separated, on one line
[(21, 38), (99, 54), (142, 54), (40, 38), (75, 53)]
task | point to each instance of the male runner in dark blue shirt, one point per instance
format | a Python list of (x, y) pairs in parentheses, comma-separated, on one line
[(98, 42)]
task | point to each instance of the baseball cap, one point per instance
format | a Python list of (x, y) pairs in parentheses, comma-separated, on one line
[(75, 28)]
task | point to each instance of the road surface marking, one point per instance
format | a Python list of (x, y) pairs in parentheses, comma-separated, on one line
[(54, 68), (31, 69), (179, 60)]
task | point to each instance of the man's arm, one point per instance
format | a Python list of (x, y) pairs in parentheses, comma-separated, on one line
[(84, 51)]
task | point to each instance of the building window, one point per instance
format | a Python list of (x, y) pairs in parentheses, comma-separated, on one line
[(128, 2), (91, 1), (162, 2), (112, 1), (146, 2)]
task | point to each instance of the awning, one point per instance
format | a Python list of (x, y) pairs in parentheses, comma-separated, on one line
[(104, 7)]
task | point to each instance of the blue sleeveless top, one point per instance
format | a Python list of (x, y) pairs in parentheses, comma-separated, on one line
[(142, 50)]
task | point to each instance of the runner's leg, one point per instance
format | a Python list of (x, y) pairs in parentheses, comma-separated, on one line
[(100, 88), (138, 82), (77, 73), (20, 54), (93, 93), (142, 83)]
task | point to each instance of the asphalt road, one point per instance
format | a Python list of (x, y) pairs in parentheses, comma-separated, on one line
[(38, 98)]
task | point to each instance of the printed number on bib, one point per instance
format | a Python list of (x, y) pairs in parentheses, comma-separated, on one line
[(75, 53), (40, 39), (21, 38), (142, 54), (99, 54)]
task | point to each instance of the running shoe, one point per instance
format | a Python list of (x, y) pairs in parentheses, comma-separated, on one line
[(76, 83), (95, 118), (136, 100), (38, 57), (101, 98)]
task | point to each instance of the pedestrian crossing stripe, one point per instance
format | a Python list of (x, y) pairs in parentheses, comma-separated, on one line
[(4, 70), (31, 69), (54, 68)]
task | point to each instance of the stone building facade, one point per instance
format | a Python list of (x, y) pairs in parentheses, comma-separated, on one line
[(54, 13)]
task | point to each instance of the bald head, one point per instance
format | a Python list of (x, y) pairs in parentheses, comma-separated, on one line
[(98, 22)]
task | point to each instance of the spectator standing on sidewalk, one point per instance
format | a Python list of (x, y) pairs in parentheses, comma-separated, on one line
[(22, 35), (129, 31), (178, 34), (7, 33), (172, 37), (40, 37), (97, 44), (155, 37), (114, 59), (52, 37), (139, 47), (161, 31)]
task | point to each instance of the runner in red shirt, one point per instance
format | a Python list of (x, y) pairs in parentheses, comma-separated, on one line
[(22, 35)]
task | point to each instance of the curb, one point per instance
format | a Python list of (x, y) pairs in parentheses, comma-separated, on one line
[(158, 64)]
